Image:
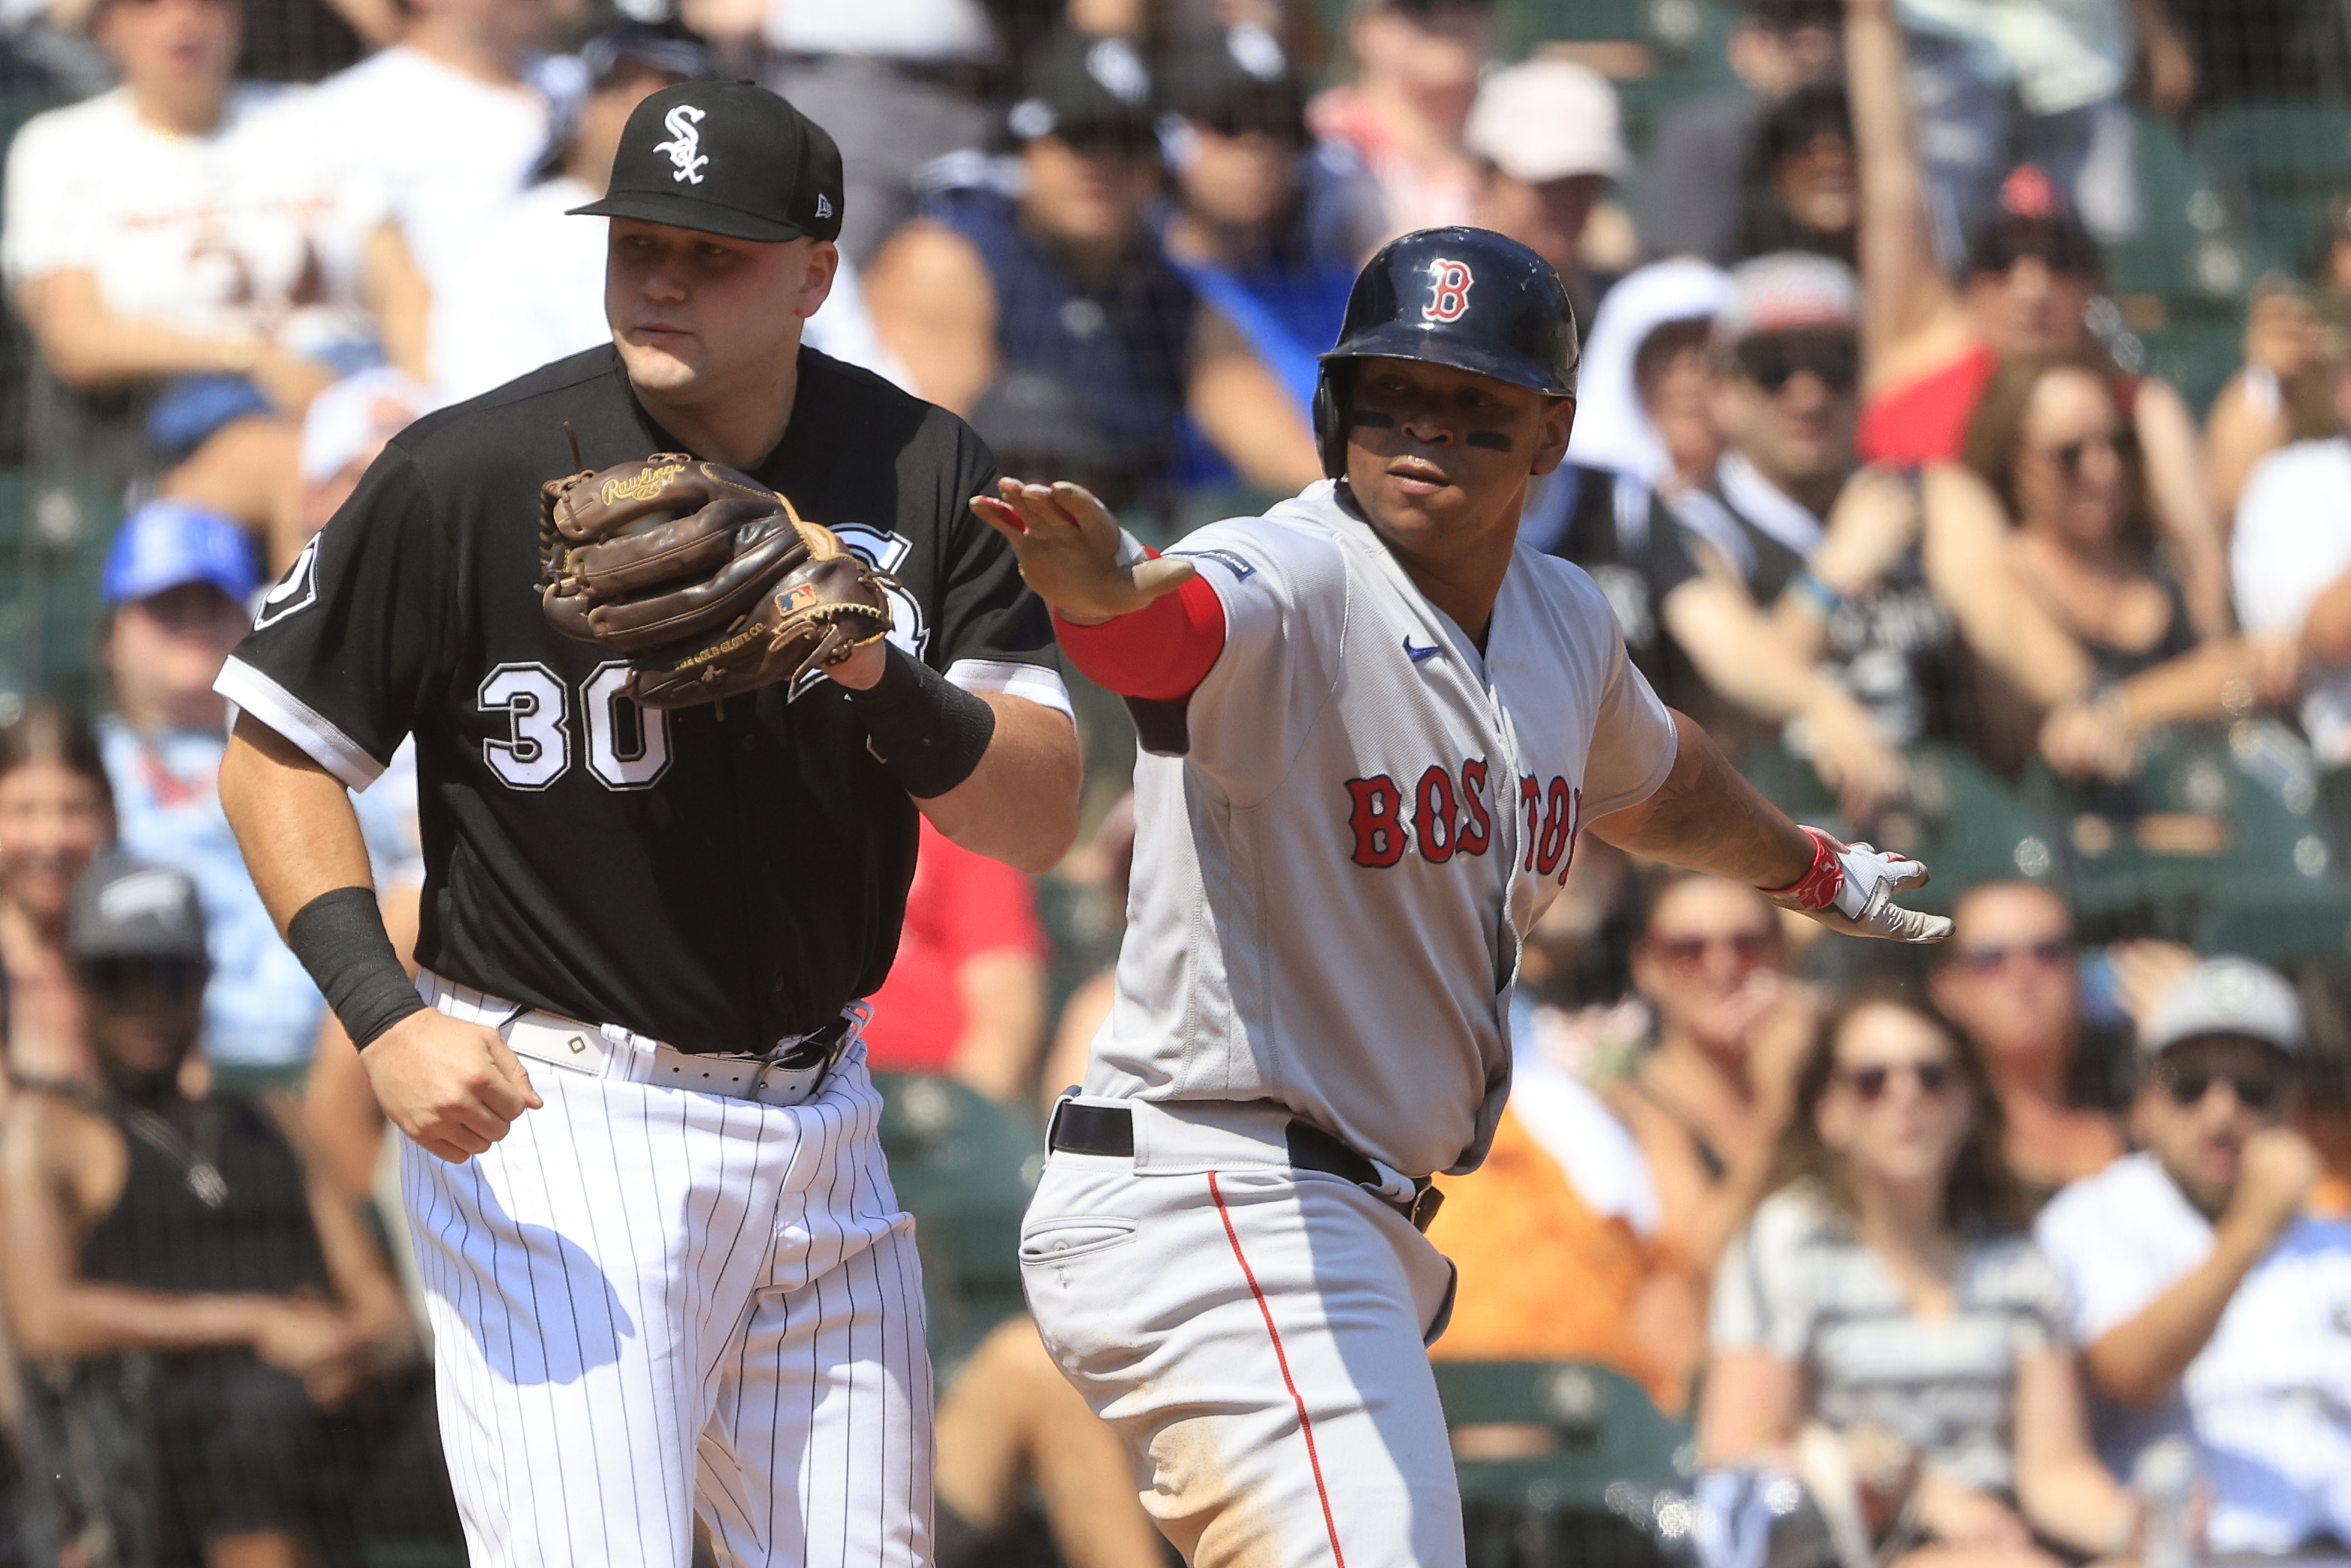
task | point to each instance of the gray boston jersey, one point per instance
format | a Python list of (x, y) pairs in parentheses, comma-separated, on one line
[(1332, 881)]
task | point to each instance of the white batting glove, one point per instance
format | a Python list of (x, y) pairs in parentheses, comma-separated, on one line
[(1851, 888)]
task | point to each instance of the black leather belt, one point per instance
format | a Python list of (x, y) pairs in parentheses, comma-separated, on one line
[(1109, 1130)]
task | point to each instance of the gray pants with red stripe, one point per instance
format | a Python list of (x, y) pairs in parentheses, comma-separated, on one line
[(1256, 1335)]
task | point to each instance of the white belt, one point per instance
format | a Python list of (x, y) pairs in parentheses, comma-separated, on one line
[(609, 1051)]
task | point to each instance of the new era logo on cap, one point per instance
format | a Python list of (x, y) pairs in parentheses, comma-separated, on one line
[(725, 158)]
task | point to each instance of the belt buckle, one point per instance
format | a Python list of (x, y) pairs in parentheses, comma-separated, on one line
[(1422, 1210)]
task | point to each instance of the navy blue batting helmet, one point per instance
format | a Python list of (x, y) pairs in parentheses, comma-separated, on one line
[(1460, 297)]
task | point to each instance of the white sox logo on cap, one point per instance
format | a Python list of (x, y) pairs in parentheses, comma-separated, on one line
[(1448, 290), (685, 146)]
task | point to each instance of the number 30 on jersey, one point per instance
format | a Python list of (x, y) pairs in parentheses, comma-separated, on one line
[(628, 745)]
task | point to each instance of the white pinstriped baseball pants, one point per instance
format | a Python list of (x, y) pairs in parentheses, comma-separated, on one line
[(648, 1303)]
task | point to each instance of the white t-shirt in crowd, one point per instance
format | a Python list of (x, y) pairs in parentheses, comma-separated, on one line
[(498, 321), (2268, 1400), (448, 148), (926, 30), (2291, 539), (241, 231)]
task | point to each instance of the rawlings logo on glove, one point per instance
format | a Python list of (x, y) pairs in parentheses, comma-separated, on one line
[(709, 581), (1851, 887)]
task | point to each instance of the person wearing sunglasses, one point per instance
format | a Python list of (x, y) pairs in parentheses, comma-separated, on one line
[(2011, 981), (191, 1235), (2210, 1304), (1888, 1288), (1707, 1101), (1939, 324), (2056, 454)]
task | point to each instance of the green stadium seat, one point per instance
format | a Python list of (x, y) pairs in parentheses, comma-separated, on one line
[(1962, 820), (1611, 1452), (963, 1167), (2274, 165)]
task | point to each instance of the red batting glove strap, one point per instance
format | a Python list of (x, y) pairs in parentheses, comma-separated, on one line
[(1817, 888)]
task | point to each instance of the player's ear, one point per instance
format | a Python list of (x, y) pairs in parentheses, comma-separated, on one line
[(1551, 436), (816, 283)]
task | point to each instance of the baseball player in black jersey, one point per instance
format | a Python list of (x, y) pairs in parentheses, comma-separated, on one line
[(667, 1273)]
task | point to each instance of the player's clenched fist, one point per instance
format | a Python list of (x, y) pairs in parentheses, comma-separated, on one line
[(453, 1087), (1074, 554)]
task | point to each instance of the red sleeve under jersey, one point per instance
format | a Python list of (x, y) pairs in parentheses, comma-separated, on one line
[(1161, 652)]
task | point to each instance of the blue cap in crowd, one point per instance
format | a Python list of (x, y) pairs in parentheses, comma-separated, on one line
[(166, 544)]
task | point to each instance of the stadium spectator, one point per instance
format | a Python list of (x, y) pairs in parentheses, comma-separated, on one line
[(343, 431), (1888, 1284), (1010, 1421), (2290, 560), (1699, 637), (1800, 193), (176, 583), (182, 237), (502, 320), (1997, 83), (2284, 392), (1693, 180), (1547, 140), (56, 815), (2010, 979), (1785, 362), (2210, 1305), (1416, 66), (2059, 457), (901, 84), (1930, 345), (188, 1298), (448, 124), (1554, 1242), (1706, 1104), (1067, 278), (1268, 235), (965, 996), (1641, 403)]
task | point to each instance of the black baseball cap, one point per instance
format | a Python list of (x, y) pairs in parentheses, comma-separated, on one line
[(1238, 80), (725, 158), (126, 908), (1081, 87)]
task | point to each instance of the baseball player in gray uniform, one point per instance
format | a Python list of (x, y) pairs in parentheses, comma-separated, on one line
[(1376, 724)]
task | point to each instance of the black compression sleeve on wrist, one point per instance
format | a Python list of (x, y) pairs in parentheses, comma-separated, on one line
[(928, 732), (341, 939)]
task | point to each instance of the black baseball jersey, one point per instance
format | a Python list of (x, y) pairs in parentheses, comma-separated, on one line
[(715, 878), (1614, 527)]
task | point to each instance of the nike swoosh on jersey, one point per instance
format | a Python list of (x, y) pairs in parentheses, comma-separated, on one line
[(1418, 655)]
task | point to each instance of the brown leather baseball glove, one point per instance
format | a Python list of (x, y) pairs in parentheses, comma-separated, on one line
[(708, 580)]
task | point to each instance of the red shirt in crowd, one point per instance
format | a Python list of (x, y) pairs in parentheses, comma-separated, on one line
[(961, 905), (1925, 420)]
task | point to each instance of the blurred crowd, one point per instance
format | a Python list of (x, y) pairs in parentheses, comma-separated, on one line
[(2040, 1253)]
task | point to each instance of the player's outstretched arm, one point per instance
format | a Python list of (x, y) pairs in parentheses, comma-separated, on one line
[(453, 1087), (1707, 818)]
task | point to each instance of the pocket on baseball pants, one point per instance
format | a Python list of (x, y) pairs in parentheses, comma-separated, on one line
[(1073, 1235)]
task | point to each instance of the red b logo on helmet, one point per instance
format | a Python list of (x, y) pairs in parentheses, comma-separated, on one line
[(1448, 290)]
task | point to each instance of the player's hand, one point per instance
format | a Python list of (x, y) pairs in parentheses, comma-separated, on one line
[(453, 1087), (2275, 1172), (1851, 888), (1074, 553)]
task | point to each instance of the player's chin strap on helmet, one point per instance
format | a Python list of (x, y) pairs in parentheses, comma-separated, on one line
[(1468, 298)]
